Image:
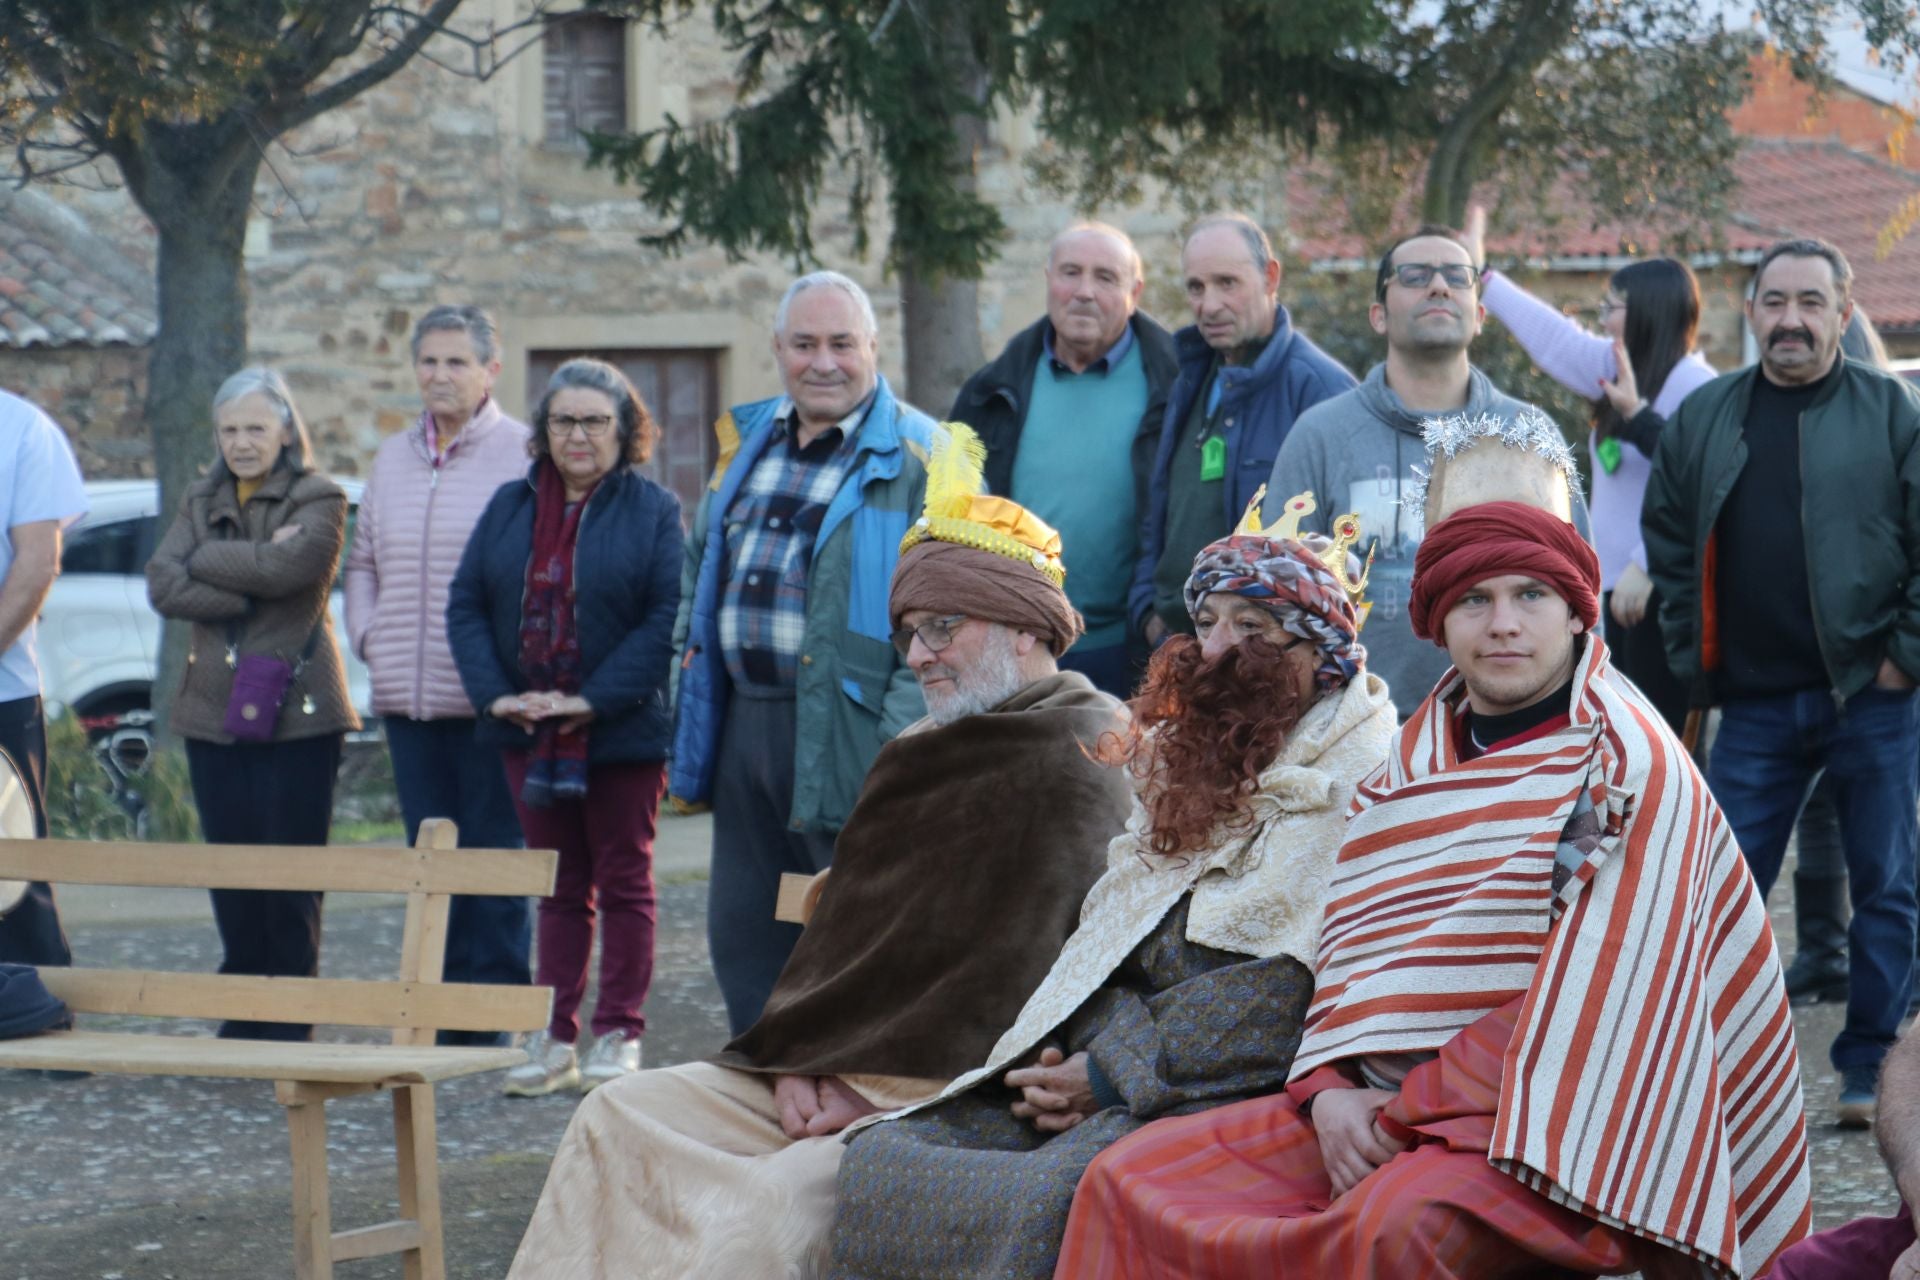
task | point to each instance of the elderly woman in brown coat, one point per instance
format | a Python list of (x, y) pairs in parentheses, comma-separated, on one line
[(263, 709)]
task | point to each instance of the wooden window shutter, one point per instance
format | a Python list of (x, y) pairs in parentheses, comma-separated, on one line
[(585, 77)]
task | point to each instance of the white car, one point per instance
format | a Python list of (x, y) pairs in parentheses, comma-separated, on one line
[(100, 639)]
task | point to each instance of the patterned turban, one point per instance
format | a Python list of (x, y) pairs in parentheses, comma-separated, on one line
[(1491, 540), (1290, 582)]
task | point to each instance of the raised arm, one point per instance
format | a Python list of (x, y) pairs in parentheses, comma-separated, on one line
[(1574, 358)]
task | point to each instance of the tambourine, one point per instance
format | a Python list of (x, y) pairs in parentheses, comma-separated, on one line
[(16, 823)]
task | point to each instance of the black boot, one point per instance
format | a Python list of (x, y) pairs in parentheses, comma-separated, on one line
[(1819, 968)]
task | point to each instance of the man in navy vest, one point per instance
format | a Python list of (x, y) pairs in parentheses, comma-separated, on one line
[(1070, 413)]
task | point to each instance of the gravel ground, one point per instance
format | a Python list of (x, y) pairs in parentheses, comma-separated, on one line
[(127, 1178)]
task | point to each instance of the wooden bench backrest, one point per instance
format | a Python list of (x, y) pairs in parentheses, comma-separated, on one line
[(415, 1005)]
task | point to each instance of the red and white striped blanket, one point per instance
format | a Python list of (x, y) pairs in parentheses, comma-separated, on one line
[(1653, 1081)]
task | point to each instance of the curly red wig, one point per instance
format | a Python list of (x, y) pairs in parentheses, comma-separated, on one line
[(1202, 733)]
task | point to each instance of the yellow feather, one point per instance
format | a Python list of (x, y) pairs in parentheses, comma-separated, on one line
[(956, 473)]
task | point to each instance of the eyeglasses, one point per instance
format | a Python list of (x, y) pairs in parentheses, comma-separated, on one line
[(1417, 275), (936, 635), (561, 426), (1607, 307)]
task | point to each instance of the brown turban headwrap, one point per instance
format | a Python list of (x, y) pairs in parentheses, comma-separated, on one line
[(946, 577), (1492, 539)]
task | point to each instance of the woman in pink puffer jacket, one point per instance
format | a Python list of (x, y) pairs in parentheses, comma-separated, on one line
[(425, 493)]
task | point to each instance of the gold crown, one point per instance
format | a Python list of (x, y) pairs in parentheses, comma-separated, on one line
[(958, 512), (1346, 536)]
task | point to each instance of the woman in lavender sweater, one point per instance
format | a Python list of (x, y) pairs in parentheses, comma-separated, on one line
[(1637, 375)]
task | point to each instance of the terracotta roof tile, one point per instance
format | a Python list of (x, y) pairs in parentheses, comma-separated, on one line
[(1791, 188), (61, 284)]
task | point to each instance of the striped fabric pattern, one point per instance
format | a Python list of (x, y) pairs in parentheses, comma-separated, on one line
[(1653, 1082)]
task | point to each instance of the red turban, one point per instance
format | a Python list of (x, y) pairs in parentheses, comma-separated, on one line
[(1491, 540)]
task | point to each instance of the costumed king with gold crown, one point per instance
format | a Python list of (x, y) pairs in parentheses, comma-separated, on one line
[(955, 882), (1548, 1031), (1186, 984)]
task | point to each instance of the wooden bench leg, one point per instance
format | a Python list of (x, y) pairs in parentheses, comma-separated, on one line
[(416, 1141), (312, 1212)]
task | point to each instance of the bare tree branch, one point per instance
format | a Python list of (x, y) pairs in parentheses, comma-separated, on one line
[(348, 87)]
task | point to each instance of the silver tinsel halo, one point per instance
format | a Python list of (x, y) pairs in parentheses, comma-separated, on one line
[(1529, 430)]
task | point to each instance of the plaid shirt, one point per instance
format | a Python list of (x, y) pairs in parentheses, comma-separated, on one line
[(770, 531)]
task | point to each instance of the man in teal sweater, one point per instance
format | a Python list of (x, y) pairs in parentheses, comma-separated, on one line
[(1070, 413)]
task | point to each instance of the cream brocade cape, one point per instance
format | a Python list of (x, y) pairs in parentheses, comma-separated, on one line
[(1258, 890)]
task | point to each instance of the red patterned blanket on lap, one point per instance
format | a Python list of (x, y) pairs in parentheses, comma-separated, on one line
[(1653, 1082)]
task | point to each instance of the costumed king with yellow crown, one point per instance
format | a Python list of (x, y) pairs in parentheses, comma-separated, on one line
[(1548, 1031), (956, 879), (1187, 982)]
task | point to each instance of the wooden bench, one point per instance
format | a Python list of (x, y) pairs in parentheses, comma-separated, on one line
[(799, 896), (305, 1076)]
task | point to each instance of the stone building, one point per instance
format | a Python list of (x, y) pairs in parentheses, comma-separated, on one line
[(435, 188)]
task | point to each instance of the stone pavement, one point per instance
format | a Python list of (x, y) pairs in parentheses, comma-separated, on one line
[(124, 1178)]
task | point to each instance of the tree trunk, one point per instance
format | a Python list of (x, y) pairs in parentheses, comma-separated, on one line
[(940, 311), (199, 205), (940, 319), (1538, 28)]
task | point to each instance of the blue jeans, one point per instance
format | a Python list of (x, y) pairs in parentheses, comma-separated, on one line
[(441, 772), (1765, 760)]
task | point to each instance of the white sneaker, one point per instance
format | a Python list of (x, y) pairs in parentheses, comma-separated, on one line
[(551, 1066), (615, 1054)]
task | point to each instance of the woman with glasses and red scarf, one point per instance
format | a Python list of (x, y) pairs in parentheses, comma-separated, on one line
[(561, 621)]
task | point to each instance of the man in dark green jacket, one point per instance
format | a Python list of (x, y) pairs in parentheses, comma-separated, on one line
[(1782, 527)]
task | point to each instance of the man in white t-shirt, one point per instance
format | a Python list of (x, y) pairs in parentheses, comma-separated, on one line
[(41, 494)]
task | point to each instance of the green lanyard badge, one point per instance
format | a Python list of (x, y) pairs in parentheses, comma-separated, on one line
[(1213, 458), (1608, 451)]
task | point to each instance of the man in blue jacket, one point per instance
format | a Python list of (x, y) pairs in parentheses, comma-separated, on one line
[(1245, 376), (788, 681)]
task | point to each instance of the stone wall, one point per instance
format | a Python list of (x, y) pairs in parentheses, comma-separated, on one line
[(96, 395), (435, 188)]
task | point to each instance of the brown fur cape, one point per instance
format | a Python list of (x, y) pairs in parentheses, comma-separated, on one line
[(956, 880)]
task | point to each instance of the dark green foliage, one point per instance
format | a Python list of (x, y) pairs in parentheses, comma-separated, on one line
[(1630, 95), (881, 87)]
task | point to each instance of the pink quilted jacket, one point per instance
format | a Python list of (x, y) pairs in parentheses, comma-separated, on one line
[(414, 523)]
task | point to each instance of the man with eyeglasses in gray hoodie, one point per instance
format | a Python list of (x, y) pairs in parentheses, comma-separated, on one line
[(1357, 450)]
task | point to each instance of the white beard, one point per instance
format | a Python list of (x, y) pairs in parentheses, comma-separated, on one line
[(990, 681)]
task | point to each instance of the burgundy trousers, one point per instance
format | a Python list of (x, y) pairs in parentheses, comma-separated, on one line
[(605, 842)]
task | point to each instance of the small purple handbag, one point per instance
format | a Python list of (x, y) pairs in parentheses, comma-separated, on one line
[(260, 684)]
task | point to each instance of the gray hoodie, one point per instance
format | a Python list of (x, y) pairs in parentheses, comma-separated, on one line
[(1355, 452)]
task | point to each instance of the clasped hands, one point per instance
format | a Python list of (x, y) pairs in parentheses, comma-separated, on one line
[(1352, 1143), (815, 1106), (528, 709), (1056, 1093)]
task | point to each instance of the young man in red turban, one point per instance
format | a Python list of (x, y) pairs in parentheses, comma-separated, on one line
[(1548, 1033)]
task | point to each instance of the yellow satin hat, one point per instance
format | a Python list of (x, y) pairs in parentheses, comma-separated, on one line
[(957, 511)]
